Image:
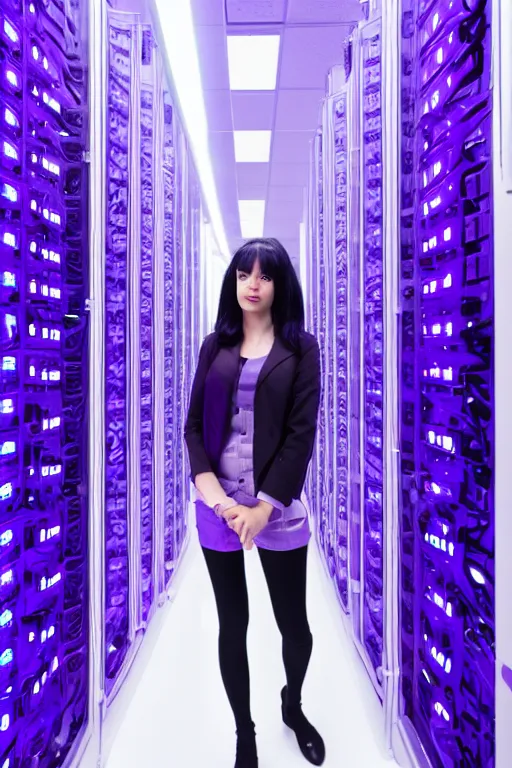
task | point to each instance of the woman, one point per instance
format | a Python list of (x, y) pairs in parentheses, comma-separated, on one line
[(250, 433)]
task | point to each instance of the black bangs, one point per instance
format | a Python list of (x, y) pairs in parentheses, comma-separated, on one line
[(257, 250), (288, 305)]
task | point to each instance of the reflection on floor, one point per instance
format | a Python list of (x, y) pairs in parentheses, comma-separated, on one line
[(176, 714)]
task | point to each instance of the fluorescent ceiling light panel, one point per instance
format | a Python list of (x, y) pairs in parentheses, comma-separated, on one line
[(252, 217), (177, 28), (253, 61), (252, 146)]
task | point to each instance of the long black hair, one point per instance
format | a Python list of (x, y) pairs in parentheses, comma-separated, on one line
[(288, 305)]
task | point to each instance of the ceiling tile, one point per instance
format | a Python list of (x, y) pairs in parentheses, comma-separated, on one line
[(292, 146), (286, 194), (288, 211), (255, 174), (255, 11), (247, 190), (252, 111), (298, 110), (308, 55), (210, 12), (289, 174), (218, 110), (323, 11), (213, 57)]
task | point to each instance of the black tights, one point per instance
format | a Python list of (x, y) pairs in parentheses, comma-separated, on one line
[(285, 573)]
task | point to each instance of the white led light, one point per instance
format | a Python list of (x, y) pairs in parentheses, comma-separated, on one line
[(9, 280), (478, 577), (252, 217), (253, 62), (252, 146), (10, 32), (10, 118), (11, 77), (177, 29), (10, 151), (10, 193)]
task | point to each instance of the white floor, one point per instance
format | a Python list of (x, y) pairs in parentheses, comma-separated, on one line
[(176, 714)]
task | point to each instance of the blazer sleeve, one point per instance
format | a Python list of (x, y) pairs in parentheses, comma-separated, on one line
[(199, 461), (285, 479)]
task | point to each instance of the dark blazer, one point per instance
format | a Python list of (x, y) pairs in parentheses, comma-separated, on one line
[(285, 414)]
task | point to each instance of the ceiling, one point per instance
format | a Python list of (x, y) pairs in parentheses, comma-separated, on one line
[(312, 37)]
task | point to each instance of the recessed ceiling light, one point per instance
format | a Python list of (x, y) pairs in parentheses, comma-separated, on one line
[(252, 217), (252, 146), (253, 61)]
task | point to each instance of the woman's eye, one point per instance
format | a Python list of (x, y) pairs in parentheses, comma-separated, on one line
[(266, 278), (241, 276)]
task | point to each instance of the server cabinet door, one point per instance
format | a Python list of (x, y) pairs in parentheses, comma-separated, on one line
[(372, 342), (123, 105), (149, 188), (170, 330), (336, 118)]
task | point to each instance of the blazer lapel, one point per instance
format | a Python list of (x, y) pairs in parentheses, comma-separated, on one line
[(278, 354), (227, 364)]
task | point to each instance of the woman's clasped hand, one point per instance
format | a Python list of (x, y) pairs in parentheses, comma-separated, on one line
[(248, 522)]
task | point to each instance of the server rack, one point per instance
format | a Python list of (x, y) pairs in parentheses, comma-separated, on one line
[(447, 338), (45, 654), (445, 155)]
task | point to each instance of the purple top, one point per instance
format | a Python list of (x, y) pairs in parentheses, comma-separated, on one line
[(288, 527)]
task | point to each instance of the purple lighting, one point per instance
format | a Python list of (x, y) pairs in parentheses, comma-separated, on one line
[(169, 178), (447, 400), (146, 344), (44, 655), (116, 523), (341, 349), (373, 377)]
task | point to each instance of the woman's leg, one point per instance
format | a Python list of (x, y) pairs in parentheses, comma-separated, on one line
[(286, 578), (285, 573), (227, 573)]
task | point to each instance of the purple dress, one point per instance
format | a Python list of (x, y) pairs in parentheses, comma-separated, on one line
[(288, 527)]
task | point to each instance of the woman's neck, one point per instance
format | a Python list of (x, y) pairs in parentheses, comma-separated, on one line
[(258, 329)]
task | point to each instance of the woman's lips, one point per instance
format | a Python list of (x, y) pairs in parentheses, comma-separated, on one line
[(252, 298)]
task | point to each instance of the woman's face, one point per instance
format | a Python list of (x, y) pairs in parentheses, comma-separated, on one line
[(255, 291)]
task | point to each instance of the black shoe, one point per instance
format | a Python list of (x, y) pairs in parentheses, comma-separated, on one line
[(309, 740), (246, 752)]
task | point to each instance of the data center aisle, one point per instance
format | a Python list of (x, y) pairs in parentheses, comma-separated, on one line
[(176, 714)]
